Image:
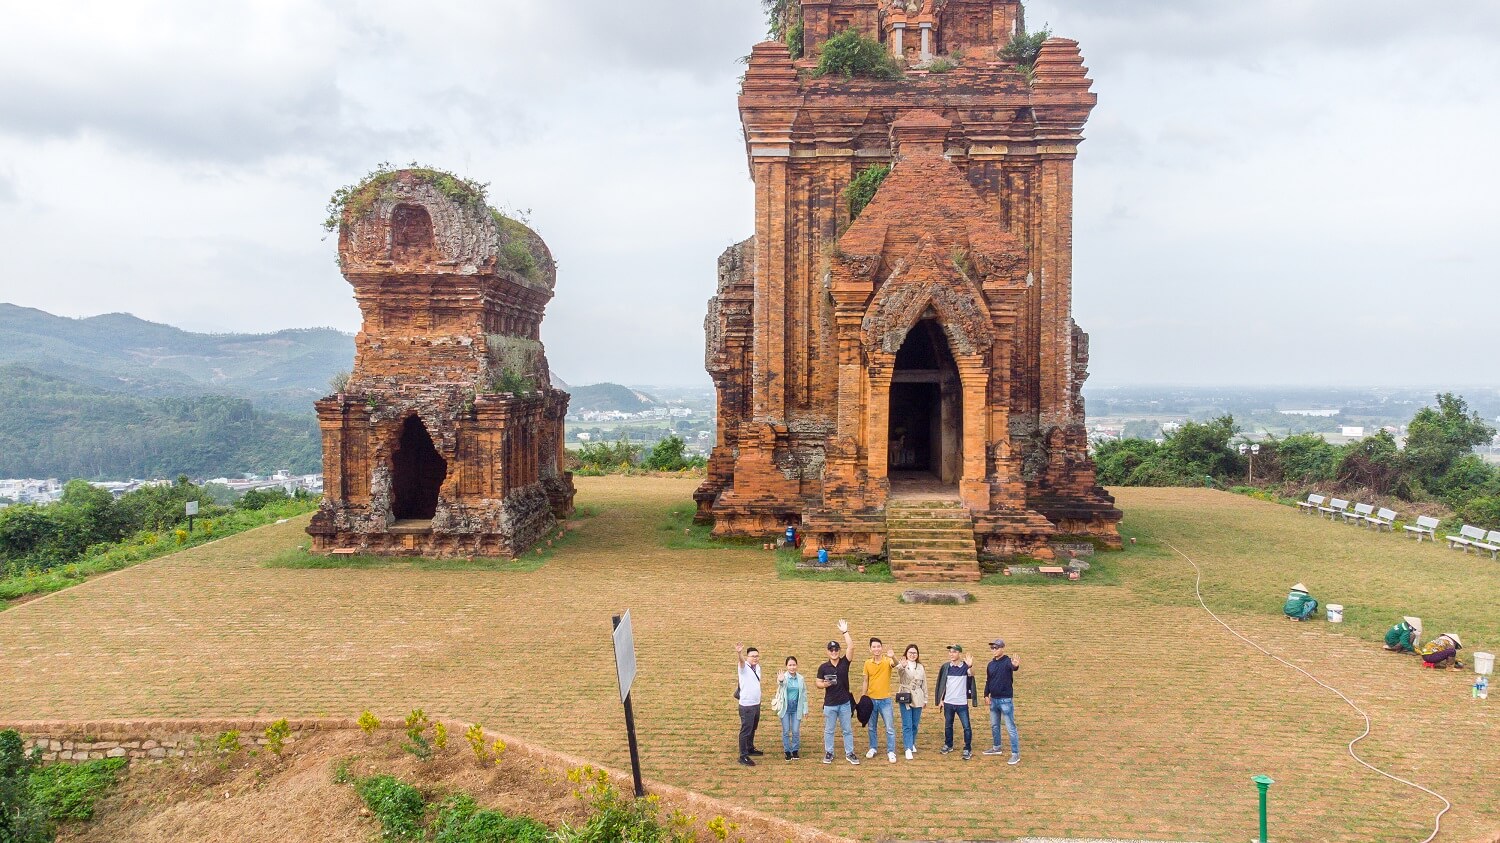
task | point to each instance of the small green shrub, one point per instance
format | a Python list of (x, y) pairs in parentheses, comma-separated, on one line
[(1024, 49), (516, 256), (368, 723), (514, 383), (228, 743), (439, 735), (850, 53), (417, 743), (397, 805), (475, 736), (276, 735), (70, 791), (862, 188), (460, 820), (942, 64)]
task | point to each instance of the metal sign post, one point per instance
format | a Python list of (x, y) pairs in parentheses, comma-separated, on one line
[(625, 667), (192, 509)]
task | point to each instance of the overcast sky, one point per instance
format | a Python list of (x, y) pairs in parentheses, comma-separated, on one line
[(1285, 191)]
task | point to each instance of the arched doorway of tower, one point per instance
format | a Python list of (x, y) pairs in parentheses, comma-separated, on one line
[(417, 473), (925, 442)]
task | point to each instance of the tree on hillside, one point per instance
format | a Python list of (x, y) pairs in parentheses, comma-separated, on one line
[(1304, 458), (1202, 449), (1375, 463), (1440, 435)]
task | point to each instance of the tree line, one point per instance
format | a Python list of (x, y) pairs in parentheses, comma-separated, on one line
[(87, 520), (1437, 463)]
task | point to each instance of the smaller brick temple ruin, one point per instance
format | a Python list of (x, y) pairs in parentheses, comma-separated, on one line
[(448, 438)]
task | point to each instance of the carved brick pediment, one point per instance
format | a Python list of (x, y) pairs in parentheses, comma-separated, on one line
[(924, 286)]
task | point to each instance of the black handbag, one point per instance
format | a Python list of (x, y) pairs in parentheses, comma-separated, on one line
[(903, 698)]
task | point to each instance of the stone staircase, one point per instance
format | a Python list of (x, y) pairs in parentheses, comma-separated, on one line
[(931, 541)]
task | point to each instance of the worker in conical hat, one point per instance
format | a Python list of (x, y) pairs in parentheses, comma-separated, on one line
[(1299, 605), (1442, 652), (1404, 636)]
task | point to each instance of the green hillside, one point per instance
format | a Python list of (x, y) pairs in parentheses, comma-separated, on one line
[(604, 397), (285, 371), (51, 426)]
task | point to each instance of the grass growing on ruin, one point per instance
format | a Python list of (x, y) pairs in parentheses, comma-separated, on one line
[(302, 557), (678, 532), (786, 569)]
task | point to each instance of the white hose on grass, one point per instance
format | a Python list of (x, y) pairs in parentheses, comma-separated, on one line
[(1437, 825)]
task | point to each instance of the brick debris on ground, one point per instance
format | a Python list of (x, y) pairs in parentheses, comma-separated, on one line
[(1139, 716)]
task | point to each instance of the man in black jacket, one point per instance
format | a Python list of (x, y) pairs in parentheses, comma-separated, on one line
[(955, 687), (999, 695)]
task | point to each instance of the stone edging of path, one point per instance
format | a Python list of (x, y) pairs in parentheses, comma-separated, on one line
[(153, 740)]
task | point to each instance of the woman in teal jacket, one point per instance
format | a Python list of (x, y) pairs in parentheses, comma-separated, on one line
[(790, 703)]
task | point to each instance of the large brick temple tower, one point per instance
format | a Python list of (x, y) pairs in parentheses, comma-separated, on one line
[(923, 353), (448, 438)]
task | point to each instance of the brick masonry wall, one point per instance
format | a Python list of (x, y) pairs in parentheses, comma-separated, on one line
[(151, 741)]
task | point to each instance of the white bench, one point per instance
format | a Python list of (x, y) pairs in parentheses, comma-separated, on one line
[(1360, 513), (1425, 526), (1312, 504), (1385, 519), (1467, 537), (1491, 543), (1335, 508)]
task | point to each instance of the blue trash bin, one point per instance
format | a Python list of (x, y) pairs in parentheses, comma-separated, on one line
[(822, 556)]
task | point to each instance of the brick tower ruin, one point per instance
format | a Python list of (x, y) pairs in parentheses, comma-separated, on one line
[(925, 350), (448, 438)]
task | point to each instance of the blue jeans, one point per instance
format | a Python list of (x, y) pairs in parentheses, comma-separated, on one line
[(1005, 710), (911, 718), (791, 730), (883, 709), (834, 716), (962, 713)]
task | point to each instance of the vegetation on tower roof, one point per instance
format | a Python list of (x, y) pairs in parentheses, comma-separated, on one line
[(356, 200), (862, 188), (850, 53)]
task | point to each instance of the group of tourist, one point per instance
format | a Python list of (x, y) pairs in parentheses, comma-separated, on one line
[(890, 685), (1405, 637)]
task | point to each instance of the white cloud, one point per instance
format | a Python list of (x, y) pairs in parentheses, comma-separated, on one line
[(1261, 182)]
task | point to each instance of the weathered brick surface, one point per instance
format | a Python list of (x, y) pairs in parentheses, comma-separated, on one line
[(1139, 716), (450, 306), (970, 234)]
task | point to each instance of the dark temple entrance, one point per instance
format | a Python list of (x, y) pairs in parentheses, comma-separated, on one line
[(417, 473), (926, 419)]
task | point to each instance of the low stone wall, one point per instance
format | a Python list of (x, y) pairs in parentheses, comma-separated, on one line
[(148, 741)]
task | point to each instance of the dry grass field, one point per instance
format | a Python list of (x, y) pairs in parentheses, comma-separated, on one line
[(1139, 716)]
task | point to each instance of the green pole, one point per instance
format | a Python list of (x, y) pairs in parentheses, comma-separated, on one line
[(1264, 784)]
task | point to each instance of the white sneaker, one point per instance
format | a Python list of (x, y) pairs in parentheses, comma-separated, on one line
[(891, 757), (908, 755), (871, 753)]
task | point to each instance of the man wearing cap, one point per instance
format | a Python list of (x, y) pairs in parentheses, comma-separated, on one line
[(1441, 652), (838, 703), (1299, 604), (999, 695), (956, 685)]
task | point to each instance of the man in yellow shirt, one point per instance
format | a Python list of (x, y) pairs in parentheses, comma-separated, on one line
[(878, 689)]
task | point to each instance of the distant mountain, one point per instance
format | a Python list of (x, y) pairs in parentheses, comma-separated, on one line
[(52, 426), (604, 397), (284, 371)]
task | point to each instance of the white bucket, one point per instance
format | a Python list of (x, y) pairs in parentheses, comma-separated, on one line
[(1335, 613), (1484, 663)]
